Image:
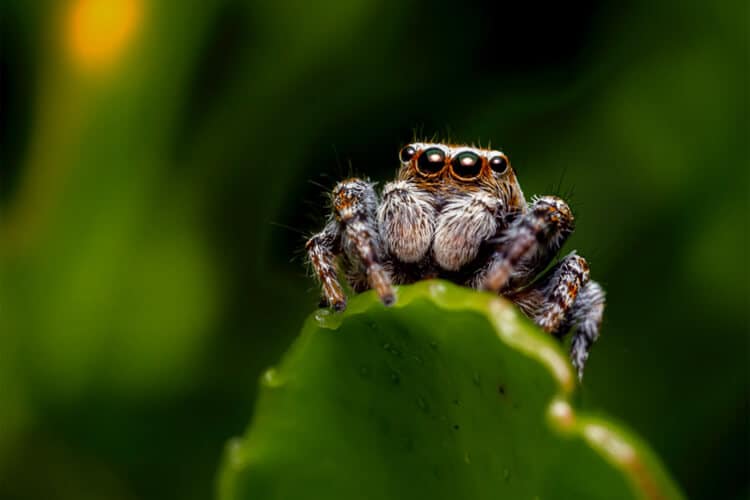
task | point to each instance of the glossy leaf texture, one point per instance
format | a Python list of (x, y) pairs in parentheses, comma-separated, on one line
[(449, 394)]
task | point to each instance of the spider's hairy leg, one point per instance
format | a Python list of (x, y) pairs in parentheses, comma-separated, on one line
[(354, 205), (586, 318), (406, 220), (526, 246), (322, 250), (565, 298), (549, 300)]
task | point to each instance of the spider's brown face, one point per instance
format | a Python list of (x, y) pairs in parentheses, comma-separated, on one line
[(462, 163), (461, 168)]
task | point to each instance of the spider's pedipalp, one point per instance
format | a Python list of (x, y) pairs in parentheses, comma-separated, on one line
[(464, 224), (528, 244), (354, 204), (406, 220)]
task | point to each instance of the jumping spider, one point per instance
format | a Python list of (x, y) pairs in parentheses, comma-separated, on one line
[(458, 213)]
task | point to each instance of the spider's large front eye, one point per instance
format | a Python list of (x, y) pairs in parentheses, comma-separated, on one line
[(466, 164), (407, 154), (431, 161), (499, 163)]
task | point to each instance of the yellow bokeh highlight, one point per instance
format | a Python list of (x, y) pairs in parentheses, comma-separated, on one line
[(97, 32)]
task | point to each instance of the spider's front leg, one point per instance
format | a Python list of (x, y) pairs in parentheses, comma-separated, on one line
[(322, 250), (528, 245), (354, 208)]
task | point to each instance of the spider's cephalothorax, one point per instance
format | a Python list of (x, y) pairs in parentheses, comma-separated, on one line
[(458, 213)]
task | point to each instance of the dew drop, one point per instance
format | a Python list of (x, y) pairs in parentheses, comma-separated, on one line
[(422, 403), (271, 378), (467, 458), (321, 316), (506, 475), (434, 345), (395, 377), (476, 378), (418, 359), (364, 372)]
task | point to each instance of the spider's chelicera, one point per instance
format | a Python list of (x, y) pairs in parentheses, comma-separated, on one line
[(458, 213)]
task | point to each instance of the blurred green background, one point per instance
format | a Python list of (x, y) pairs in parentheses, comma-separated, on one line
[(161, 164)]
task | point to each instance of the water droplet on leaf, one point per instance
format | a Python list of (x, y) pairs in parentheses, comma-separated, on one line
[(271, 378)]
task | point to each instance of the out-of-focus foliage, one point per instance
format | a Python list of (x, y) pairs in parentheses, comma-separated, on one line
[(153, 154), (451, 393)]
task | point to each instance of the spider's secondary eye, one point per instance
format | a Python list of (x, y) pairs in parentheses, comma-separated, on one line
[(467, 164), (431, 160), (499, 164), (407, 154)]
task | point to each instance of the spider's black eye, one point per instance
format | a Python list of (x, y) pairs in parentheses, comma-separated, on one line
[(431, 160), (466, 164), (407, 154), (499, 163)]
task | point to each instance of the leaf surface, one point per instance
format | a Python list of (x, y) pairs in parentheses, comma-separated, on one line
[(449, 394)]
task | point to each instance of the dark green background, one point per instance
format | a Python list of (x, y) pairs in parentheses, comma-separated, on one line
[(152, 217)]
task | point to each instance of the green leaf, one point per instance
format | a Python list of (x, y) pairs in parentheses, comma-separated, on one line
[(449, 394)]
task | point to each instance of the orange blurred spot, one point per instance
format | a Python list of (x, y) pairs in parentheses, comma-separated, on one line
[(98, 31)]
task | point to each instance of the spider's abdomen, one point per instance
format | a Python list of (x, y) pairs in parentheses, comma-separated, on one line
[(406, 220), (464, 223)]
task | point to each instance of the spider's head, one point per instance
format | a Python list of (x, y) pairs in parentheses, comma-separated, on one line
[(461, 167)]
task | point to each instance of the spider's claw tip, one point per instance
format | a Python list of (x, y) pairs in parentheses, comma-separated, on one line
[(340, 306), (388, 300)]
